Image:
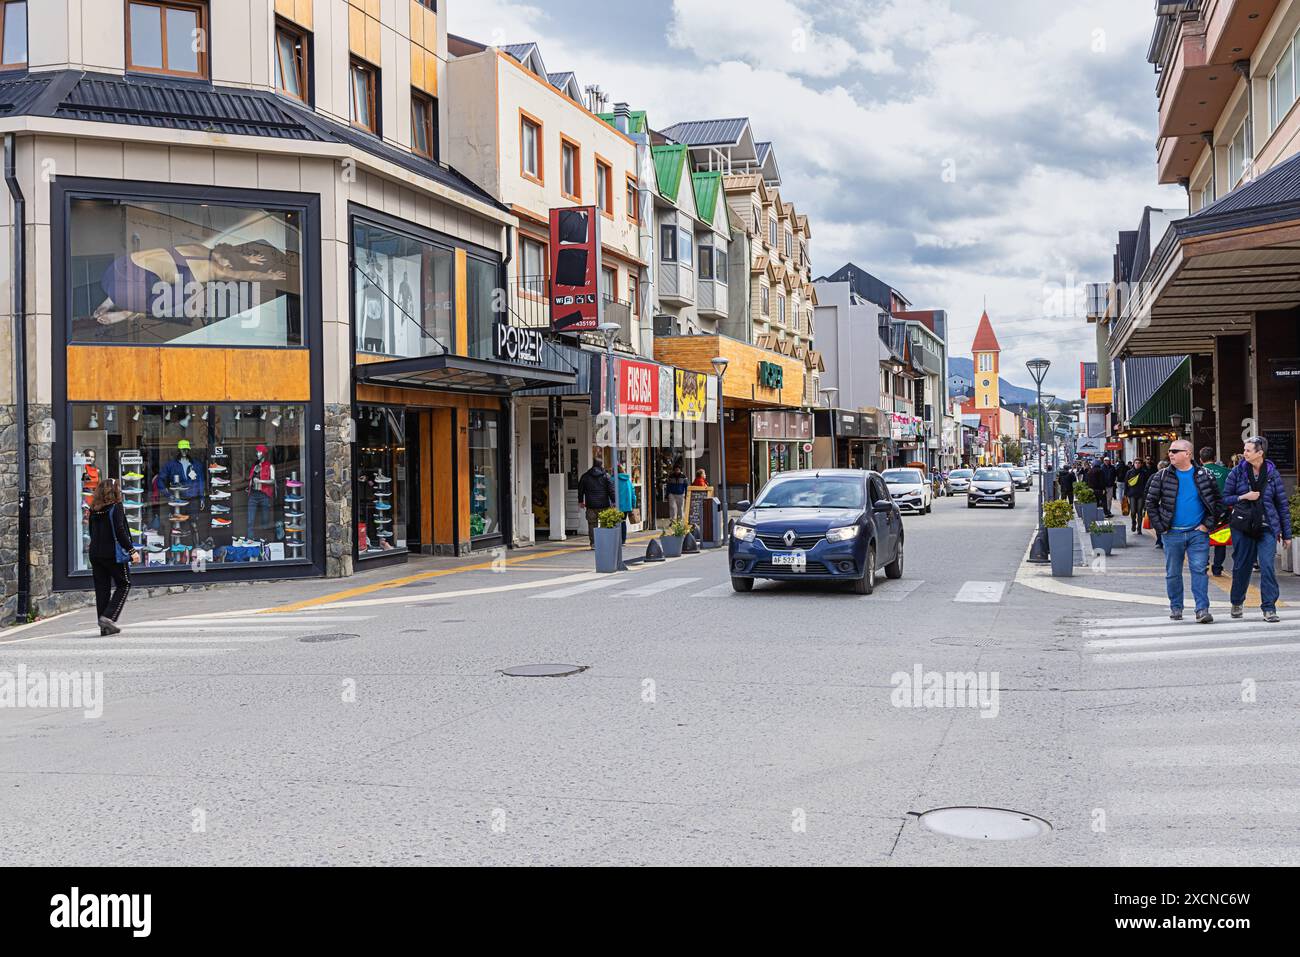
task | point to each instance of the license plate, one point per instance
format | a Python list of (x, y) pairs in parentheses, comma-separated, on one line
[(797, 561)]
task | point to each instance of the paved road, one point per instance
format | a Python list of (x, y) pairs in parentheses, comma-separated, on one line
[(709, 727)]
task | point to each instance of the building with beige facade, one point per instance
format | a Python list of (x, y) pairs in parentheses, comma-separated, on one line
[(248, 286)]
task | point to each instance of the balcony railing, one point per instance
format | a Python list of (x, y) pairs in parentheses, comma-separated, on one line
[(530, 308)]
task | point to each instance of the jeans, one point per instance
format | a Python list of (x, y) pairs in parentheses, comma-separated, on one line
[(1136, 503), (1245, 551), (259, 505), (1196, 546)]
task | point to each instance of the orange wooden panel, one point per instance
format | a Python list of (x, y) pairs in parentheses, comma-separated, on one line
[(462, 307), (113, 373), (462, 474), (417, 66), (426, 477), (261, 374), (356, 31), (444, 479), (374, 43), (305, 13), (286, 8), (372, 8), (195, 375), (417, 22), (430, 73)]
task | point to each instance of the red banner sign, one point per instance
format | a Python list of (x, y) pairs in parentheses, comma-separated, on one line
[(638, 388), (575, 269)]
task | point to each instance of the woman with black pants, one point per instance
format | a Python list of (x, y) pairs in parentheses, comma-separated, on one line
[(108, 534)]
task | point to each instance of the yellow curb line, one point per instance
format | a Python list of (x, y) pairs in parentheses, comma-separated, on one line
[(424, 576)]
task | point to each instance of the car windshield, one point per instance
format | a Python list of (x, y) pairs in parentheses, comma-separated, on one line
[(961, 473), (1019, 473), (992, 475), (813, 492), (903, 477)]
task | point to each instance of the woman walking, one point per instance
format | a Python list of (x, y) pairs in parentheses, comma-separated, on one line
[(1135, 487), (111, 552), (1257, 527)]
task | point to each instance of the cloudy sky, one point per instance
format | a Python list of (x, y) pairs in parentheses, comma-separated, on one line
[(957, 149)]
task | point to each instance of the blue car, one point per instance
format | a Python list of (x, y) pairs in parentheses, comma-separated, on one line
[(818, 525)]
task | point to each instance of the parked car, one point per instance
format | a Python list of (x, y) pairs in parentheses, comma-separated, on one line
[(991, 486), (1021, 478), (827, 525), (910, 490), (959, 480)]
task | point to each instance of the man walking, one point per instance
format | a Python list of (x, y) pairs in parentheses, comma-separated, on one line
[(595, 493), (1097, 482), (1182, 502), (1066, 481), (1255, 531), (1108, 486), (1220, 473)]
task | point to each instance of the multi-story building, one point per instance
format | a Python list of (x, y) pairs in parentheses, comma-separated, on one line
[(250, 288), (855, 430), (1224, 281)]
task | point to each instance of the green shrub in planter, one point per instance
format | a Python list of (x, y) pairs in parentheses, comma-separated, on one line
[(609, 518), (1084, 495), (677, 528), (1101, 528), (1057, 514), (1295, 513)]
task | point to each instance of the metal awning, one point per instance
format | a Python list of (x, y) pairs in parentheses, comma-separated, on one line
[(451, 373)]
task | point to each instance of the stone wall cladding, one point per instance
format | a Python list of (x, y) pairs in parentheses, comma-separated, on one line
[(8, 514), (40, 498), (338, 491)]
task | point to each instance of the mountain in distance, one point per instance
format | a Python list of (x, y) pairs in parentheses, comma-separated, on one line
[(963, 368)]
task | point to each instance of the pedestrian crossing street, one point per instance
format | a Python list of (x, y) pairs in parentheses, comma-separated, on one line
[(1153, 639), (187, 636)]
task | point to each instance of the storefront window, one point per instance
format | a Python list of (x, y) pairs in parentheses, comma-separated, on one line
[(480, 305), (203, 485), (381, 504), (403, 293), (484, 490), (184, 274)]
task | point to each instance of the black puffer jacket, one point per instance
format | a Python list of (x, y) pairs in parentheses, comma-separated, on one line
[(1162, 497)]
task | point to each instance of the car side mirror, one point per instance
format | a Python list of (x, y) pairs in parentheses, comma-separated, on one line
[(883, 505), (744, 506)]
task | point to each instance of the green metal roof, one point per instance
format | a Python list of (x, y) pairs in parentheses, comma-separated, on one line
[(669, 163), (1172, 398), (707, 188), (636, 123)]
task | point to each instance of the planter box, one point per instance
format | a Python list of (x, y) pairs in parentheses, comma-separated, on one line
[(672, 545), (609, 549), (1060, 543), (1121, 535), (1103, 540), (1295, 555)]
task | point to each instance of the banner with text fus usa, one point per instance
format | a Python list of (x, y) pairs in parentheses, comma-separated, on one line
[(575, 269)]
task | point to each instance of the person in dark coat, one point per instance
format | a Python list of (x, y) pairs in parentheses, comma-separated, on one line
[(1097, 482), (1066, 481), (108, 532), (1256, 479), (1135, 487), (595, 493), (1183, 503)]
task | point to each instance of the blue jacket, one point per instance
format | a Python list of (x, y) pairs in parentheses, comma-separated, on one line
[(1277, 511), (626, 493)]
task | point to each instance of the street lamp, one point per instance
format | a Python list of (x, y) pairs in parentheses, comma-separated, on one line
[(720, 364), (828, 395), (610, 330), (1038, 554)]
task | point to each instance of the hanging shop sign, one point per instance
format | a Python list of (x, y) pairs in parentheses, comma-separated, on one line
[(691, 390), (1285, 369), (575, 269), (782, 425), (638, 388), (512, 344)]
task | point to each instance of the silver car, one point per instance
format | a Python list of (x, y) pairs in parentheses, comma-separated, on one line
[(959, 480)]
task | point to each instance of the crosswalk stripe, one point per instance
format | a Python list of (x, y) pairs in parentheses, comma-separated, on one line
[(581, 588), (100, 652), (1189, 624), (1166, 620), (717, 591), (93, 640), (1195, 802), (654, 588), (1204, 755), (1186, 636), (896, 590), (981, 592), (1132, 656)]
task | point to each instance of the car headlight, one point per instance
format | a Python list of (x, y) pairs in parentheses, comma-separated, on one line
[(743, 533), (847, 533), (1006, 488)]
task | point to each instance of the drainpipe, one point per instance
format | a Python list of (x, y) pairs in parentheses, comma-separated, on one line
[(19, 286)]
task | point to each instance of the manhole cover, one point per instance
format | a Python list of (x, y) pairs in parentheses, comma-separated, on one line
[(312, 639), (984, 823), (543, 671)]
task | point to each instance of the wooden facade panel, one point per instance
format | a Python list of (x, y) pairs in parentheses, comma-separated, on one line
[(427, 471), (357, 31), (423, 398), (444, 478), (738, 452), (742, 382), (110, 373), (462, 487), (417, 66), (259, 374), (194, 375), (462, 309), (298, 11), (431, 73), (305, 14), (417, 22), (374, 41)]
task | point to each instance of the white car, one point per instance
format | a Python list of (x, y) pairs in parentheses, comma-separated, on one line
[(910, 490), (959, 480)]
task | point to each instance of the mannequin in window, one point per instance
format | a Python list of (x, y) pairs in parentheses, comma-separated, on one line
[(372, 298), (89, 471), (182, 476), (261, 492)]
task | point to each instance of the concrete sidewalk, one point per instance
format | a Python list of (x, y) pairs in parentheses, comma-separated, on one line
[(479, 569), (1136, 574)]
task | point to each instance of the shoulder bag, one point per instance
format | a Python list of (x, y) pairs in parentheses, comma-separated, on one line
[(1248, 517)]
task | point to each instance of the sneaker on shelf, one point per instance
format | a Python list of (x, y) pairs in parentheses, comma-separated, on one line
[(296, 544), (132, 475), (178, 547), (180, 517), (385, 534), (383, 506), (215, 468), (293, 528), (219, 496), (221, 510), (220, 522), (293, 514), (177, 502), (381, 479), (292, 499), (219, 482), (293, 483), (135, 532)]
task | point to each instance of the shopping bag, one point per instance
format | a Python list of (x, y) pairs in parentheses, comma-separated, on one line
[(1221, 535), (1146, 520), (1123, 506)]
